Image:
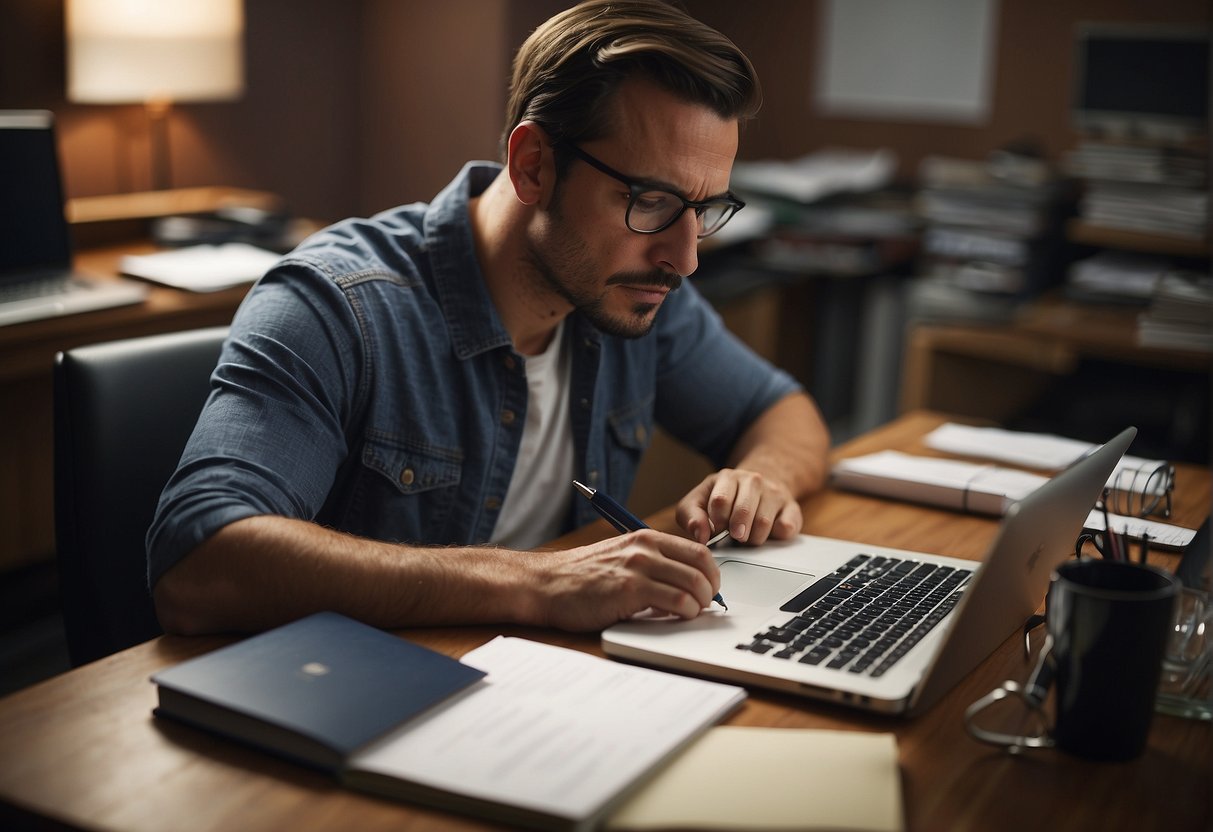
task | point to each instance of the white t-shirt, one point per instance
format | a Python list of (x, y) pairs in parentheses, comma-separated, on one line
[(537, 501)]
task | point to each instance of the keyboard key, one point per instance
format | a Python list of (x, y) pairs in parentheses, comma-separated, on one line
[(812, 593), (814, 657)]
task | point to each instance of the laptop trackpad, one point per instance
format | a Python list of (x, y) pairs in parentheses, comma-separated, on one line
[(758, 586)]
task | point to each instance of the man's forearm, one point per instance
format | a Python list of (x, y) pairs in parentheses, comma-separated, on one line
[(789, 443), (263, 571)]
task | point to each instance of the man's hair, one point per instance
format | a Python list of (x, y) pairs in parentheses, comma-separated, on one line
[(567, 70)]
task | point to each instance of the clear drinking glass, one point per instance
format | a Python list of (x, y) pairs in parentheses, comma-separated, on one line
[(1185, 688)]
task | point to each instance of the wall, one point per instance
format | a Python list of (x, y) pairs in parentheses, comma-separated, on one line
[(356, 105), (1032, 78)]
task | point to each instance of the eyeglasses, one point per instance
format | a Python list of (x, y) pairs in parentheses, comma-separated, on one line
[(651, 209), (1140, 492)]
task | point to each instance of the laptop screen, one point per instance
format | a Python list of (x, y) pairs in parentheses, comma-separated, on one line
[(33, 231)]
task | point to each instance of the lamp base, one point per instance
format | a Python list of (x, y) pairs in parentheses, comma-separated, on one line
[(158, 112)]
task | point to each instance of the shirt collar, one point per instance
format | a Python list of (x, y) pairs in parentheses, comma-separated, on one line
[(471, 318)]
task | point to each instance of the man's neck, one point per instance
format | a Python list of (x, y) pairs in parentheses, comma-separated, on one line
[(529, 310)]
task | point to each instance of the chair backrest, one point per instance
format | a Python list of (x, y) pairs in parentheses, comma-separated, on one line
[(123, 413)]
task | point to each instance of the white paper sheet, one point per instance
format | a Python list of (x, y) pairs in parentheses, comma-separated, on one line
[(1031, 450), (550, 729), (202, 268)]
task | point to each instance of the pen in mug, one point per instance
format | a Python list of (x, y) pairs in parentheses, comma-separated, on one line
[(624, 521)]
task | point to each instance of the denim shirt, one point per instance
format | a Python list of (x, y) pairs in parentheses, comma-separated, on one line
[(368, 384)]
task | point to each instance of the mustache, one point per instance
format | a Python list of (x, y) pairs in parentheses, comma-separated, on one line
[(656, 278)]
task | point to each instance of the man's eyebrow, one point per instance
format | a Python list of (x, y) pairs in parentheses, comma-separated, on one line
[(662, 185)]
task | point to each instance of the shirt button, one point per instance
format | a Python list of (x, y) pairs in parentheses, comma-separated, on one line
[(584, 404), (507, 417), (492, 503), (407, 476), (509, 362), (641, 434), (593, 477)]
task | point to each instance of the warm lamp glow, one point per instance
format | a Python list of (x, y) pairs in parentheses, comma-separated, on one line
[(155, 52), (122, 51)]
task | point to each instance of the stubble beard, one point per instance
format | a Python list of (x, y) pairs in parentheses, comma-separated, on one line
[(569, 274)]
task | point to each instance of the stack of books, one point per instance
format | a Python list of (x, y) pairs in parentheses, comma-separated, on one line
[(1149, 190), (1116, 277), (991, 233), (1180, 314)]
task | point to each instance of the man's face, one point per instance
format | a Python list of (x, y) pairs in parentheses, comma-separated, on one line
[(583, 250)]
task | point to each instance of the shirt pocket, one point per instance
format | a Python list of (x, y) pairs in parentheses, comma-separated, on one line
[(409, 488), (630, 428)]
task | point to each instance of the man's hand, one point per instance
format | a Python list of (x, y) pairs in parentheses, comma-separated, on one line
[(595, 586), (751, 506)]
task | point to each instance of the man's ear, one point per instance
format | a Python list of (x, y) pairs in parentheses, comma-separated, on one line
[(529, 163)]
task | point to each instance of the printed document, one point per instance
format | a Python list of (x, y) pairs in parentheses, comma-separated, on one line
[(550, 729)]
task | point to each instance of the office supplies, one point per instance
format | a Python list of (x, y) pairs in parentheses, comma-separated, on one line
[(809, 616), (1030, 450), (1162, 535), (1110, 542), (315, 690), (950, 483), (779, 779), (36, 276), (393, 718), (554, 738), (976, 488), (1108, 624), (624, 521), (135, 773), (203, 268)]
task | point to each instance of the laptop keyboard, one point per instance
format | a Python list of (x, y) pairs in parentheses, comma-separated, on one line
[(38, 288), (864, 616)]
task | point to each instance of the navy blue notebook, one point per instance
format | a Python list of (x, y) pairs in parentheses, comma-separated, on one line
[(315, 690)]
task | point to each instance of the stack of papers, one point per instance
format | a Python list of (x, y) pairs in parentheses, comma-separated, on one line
[(983, 488), (1117, 275), (818, 175), (1029, 450), (975, 488), (1180, 313), (202, 268), (950, 483)]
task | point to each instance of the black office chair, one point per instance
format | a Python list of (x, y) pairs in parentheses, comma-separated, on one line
[(123, 413)]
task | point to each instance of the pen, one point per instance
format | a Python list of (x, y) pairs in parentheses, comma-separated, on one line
[(624, 521), (1108, 535)]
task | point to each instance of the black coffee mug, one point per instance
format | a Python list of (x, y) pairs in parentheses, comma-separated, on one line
[(1107, 632)]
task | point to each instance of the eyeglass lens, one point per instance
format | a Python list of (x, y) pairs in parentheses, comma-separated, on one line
[(1139, 492), (654, 210)]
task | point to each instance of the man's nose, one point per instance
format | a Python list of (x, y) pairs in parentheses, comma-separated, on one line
[(676, 249)]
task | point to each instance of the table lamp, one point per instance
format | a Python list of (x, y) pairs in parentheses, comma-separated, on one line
[(155, 52)]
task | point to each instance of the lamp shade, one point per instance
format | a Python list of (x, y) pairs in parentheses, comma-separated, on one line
[(122, 51)]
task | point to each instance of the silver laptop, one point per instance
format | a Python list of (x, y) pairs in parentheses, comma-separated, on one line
[(36, 277), (881, 629)]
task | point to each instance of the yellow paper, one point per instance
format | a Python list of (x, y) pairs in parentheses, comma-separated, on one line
[(773, 779)]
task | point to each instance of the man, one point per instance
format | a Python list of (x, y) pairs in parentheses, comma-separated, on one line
[(403, 402)]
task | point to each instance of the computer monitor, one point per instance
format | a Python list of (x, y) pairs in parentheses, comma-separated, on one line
[(1142, 81)]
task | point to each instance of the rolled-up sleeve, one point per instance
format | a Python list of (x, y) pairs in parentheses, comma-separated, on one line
[(271, 435), (710, 386)]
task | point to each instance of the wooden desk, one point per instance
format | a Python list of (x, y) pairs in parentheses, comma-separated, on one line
[(83, 750), (27, 354)]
